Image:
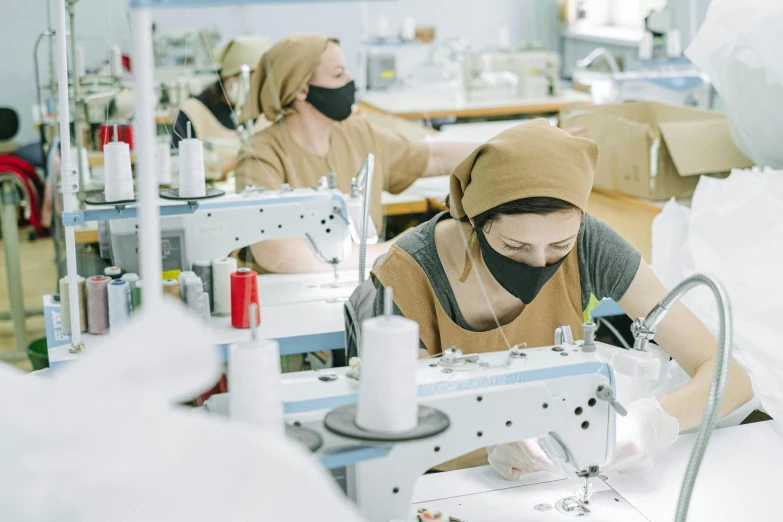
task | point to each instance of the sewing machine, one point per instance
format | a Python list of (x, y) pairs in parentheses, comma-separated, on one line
[(523, 74), (563, 394), (228, 223)]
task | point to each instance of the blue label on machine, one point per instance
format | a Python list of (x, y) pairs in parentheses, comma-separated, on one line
[(55, 335)]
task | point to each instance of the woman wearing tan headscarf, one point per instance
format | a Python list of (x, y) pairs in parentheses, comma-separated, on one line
[(211, 114), (518, 230), (302, 85)]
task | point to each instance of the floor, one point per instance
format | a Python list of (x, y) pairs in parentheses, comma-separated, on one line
[(39, 277)]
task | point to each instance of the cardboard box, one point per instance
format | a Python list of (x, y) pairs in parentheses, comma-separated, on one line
[(653, 150)]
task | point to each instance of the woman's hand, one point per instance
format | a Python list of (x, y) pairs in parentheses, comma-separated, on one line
[(646, 430), (577, 131), (511, 460)]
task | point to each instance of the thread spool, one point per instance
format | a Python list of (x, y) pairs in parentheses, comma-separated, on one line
[(254, 381), (244, 292), (205, 308), (163, 162), (646, 46), (192, 181), (96, 290), (65, 305), (222, 269), (136, 294), (194, 291), (504, 38), (117, 173), (673, 44), (171, 274), (408, 32), (203, 269), (171, 287), (115, 61), (387, 390), (119, 303), (184, 276), (132, 279), (79, 69), (114, 272)]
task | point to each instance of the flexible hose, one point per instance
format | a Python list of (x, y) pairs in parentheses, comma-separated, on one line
[(369, 164), (719, 379)]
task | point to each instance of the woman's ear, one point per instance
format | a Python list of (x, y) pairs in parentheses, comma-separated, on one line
[(302, 94)]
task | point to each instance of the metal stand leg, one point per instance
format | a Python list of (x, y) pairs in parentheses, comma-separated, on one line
[(10, 213)]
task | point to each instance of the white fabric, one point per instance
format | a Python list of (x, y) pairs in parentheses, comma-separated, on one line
[(733, 231), (738, 46), (103, 439), (513, 459), (645, 431)]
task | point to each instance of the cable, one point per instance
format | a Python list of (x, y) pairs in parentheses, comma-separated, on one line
[(614, 331)]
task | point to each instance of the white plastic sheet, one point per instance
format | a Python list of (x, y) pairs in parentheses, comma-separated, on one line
[(739, 46), (103, 440), (733, 231)]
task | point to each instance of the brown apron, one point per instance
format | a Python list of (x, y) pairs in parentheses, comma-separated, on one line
[(558, 303), (208, 127)]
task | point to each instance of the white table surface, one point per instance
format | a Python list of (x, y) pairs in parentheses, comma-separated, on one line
[(405, 101), (740, 478)]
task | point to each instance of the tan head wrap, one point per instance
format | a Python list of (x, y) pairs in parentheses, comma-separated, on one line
[(242, 50), (281, 73), (530, 160)]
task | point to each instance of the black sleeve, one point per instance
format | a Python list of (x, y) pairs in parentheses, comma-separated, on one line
[(180, 129)]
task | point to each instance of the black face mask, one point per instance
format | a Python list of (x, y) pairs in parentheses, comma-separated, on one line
[(520, 280), (335, 104)]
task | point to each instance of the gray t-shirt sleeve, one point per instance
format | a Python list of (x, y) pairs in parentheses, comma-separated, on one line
[(607, 262)]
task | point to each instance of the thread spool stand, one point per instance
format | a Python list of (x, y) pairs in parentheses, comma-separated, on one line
[(173, 193), (100, 199), (342, 420), (309, 438)]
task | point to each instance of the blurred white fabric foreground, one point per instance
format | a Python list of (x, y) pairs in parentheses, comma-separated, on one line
[(734, 231), (104, 440), (738, 46)]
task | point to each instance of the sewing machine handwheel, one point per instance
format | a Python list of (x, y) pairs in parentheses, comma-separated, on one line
[(342, 421), (305, 436)]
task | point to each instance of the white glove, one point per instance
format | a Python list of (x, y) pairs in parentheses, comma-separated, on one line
[(646, 430), (511, 460)]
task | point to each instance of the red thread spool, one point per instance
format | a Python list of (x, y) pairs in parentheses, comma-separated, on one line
[(244, 292), (124, 133)]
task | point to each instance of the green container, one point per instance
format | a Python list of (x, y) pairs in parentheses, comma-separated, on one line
[(136, 297), (38, 352)]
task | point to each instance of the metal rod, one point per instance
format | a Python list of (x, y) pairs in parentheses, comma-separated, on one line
[(369, 166), (52, 69), (144, 127), (10, 215), (388, 302), (69, 179), (77, 119)]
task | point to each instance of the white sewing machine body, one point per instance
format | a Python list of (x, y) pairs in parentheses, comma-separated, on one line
[(216, 227), (489, 398)]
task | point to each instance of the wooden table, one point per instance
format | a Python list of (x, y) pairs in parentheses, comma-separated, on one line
[(423, 105)]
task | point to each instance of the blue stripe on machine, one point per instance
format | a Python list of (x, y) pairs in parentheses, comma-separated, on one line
[(428, 390)]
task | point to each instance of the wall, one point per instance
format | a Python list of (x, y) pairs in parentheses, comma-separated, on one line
[(103, 23)]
